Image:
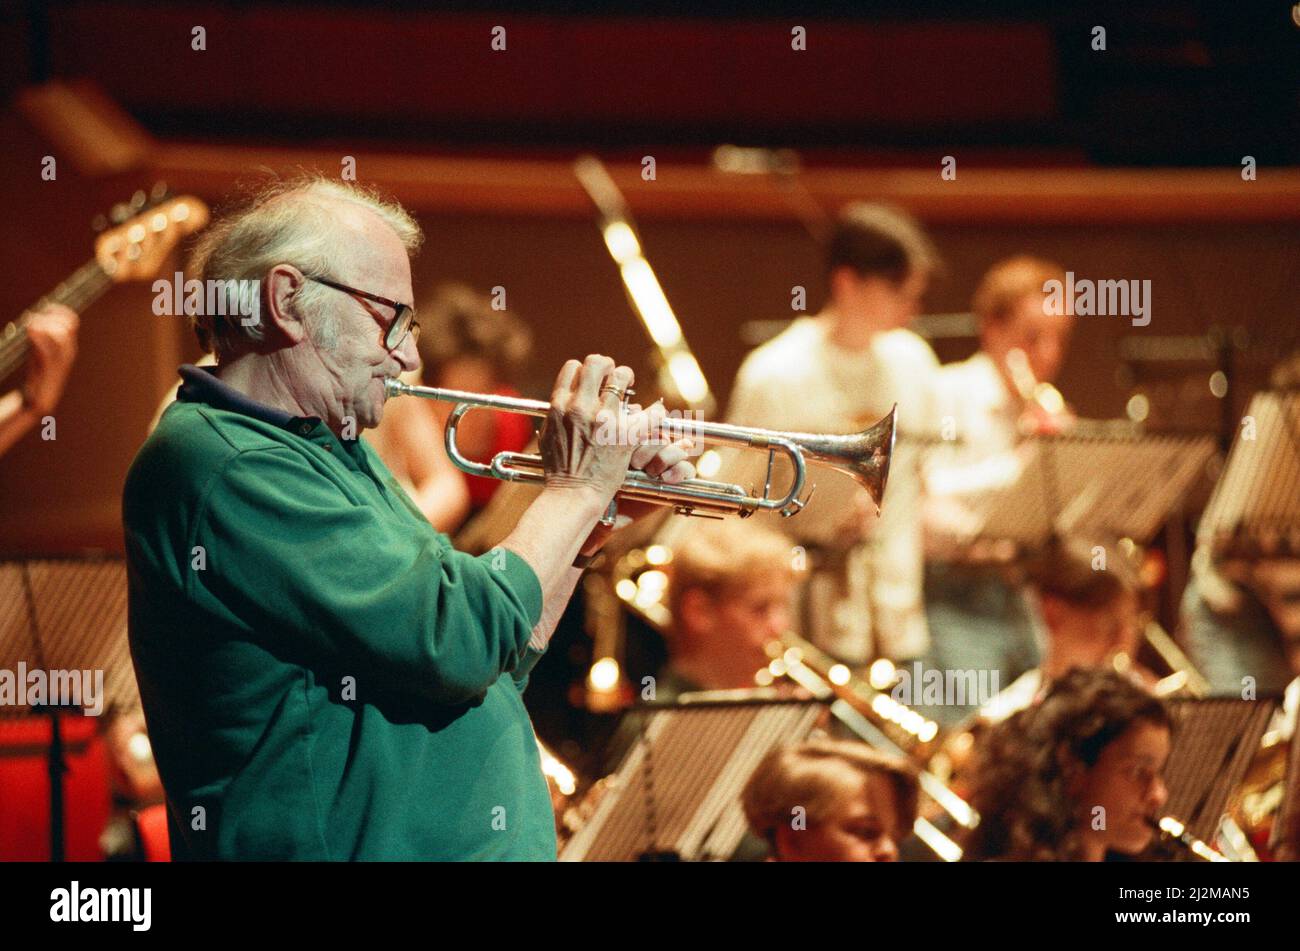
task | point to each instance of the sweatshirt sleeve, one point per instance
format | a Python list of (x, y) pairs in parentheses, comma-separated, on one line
[(521, 673), (288, 551)]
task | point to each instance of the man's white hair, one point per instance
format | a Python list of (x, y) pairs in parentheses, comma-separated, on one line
[(293, 221)]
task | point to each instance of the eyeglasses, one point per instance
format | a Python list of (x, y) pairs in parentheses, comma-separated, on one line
[(403, 323)]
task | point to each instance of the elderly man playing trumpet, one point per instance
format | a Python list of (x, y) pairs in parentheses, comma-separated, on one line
[(323, 675)]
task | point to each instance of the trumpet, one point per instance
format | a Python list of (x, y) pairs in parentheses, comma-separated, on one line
[(863, 456), (1046, 411)]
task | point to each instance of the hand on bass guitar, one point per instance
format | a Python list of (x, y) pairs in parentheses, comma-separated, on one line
[(52, 348)]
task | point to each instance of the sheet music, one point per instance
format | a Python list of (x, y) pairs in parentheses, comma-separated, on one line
[(1103, 485), (1256, 504)]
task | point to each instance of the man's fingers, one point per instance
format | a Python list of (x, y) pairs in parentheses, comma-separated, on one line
[(644, 453), (656, 414), (665, 458), (643, 428), (594, 371), (679, 473), (563, 388), (52, 343), (614, 388)]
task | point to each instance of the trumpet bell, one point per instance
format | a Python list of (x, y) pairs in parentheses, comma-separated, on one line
[(863, 456)]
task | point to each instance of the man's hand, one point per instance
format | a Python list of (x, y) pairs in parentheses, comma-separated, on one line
[(590, 440), (53, 336), (586, 447), (588, 443), (576, 448), (659, 457)]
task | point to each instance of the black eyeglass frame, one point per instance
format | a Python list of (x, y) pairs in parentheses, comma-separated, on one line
[(401, 312)]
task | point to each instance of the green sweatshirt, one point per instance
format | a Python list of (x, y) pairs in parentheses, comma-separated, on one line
[(323, 676)]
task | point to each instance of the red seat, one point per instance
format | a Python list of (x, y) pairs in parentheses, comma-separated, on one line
[(25, 789), (155, 841)]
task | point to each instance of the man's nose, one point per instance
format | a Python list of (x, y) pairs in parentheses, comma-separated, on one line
[(887, 850), (408, 354), (778, 621), (1159, 793)]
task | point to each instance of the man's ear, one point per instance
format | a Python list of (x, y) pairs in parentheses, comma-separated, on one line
[(842, 281), (696, 608), (282, 284)]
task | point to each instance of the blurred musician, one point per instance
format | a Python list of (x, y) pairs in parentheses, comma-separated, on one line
[(730, 590), (839, 371), (1091, 617), (1242, 614), (1022, 345), (53, 337), (989, 394), (831, 801), (1241, 606), (978, 619), (469, 346), (1074, 777)]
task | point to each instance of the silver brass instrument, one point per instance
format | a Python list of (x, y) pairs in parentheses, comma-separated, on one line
[(863, 456), (1038, 394), (872, 715)]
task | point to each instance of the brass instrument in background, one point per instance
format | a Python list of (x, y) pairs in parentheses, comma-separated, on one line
[(641, 582), (863, 456), (913, 734), (1183, 678), (1045, 407), (881, 722)]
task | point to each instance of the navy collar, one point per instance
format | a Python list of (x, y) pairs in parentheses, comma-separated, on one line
[(202, 385)]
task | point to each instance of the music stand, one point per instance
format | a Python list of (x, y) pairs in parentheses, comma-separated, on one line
[(65, 614), (1214, 743), (1254, 512), (676, 795), (1105, 482)]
